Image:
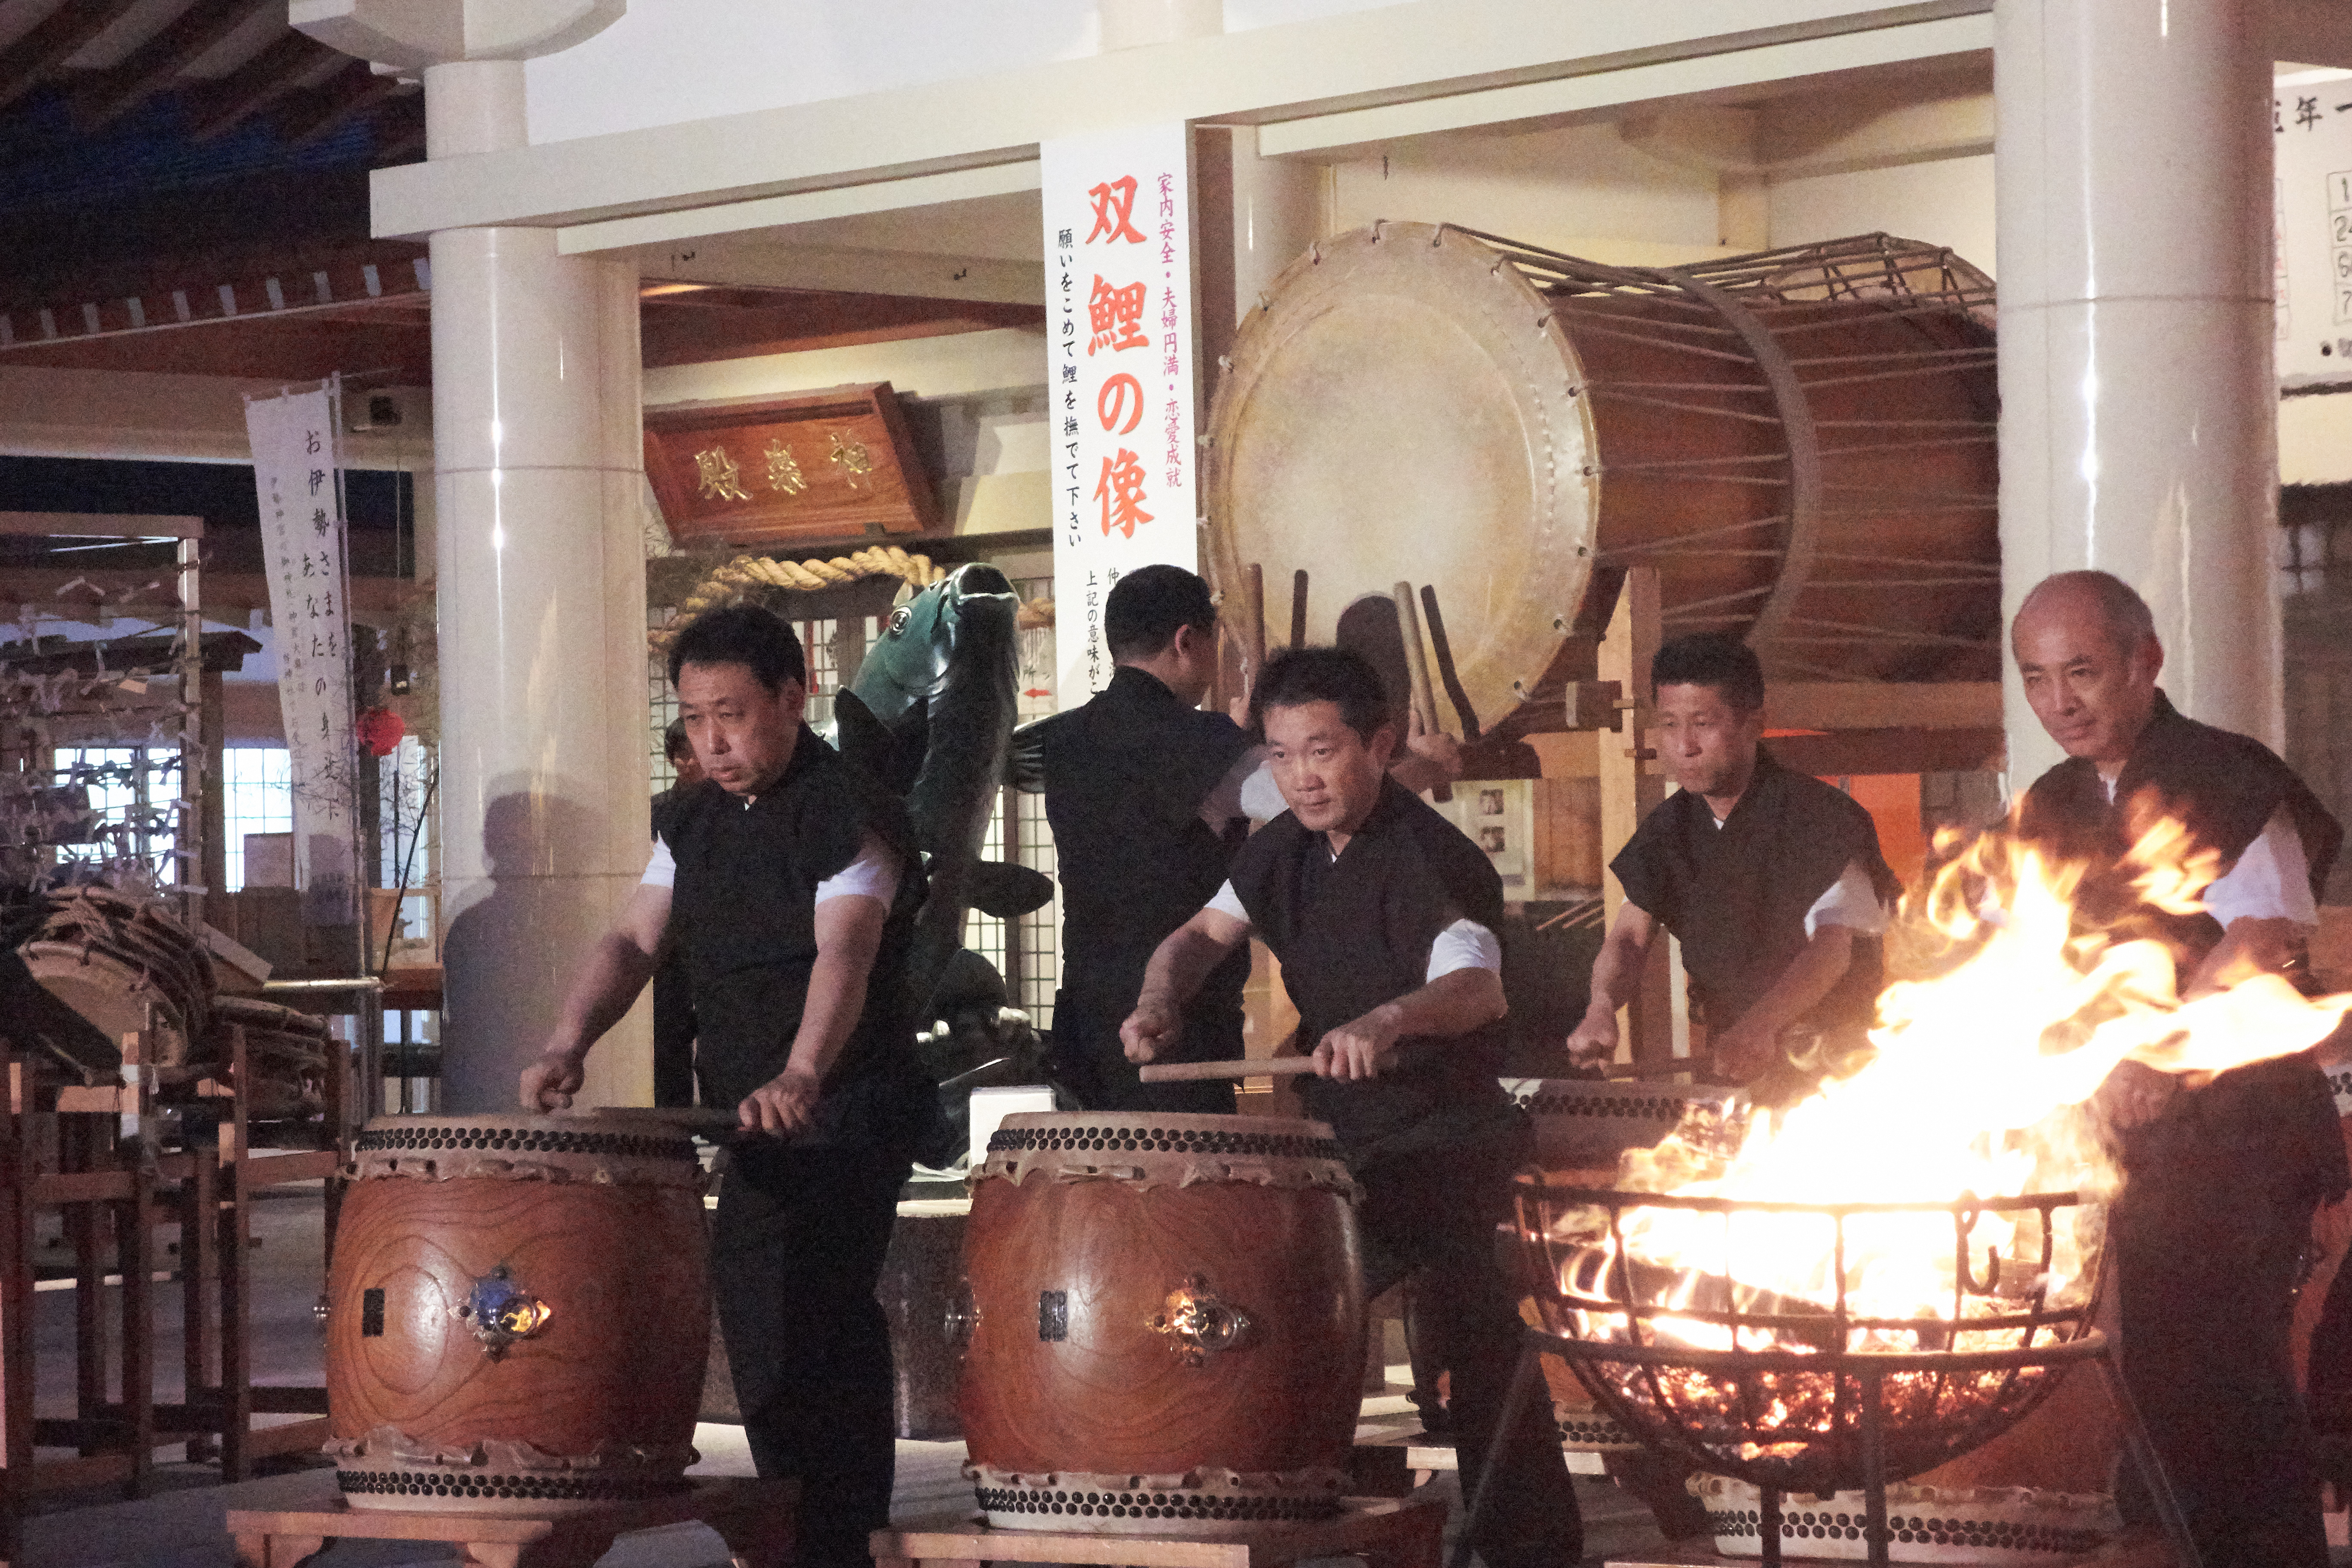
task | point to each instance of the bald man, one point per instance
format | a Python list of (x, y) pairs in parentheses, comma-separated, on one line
[(2221, 1177)]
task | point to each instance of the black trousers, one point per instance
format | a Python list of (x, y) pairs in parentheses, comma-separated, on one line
[(1431, 1217), (796, 1251), (1091, 1064), (2209, 1238)]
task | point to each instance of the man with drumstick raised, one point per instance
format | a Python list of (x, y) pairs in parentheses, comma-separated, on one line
[(1772, 880), (1383, 915), (793, 881)]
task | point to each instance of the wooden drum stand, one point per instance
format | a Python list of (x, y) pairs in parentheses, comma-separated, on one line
[(753, 1518)]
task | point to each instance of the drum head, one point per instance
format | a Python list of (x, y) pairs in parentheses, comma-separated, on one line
[(1404, 408)]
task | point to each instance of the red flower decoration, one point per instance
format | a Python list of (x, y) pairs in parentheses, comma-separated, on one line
[(380, 729)]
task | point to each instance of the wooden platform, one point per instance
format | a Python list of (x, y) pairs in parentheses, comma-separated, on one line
[(754, 1518), (1387, 1533)]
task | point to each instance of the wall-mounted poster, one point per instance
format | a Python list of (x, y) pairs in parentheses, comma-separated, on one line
[(1500, 818)]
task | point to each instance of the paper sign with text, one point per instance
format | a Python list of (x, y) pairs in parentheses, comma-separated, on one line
[(303, 545), (1119, 376)]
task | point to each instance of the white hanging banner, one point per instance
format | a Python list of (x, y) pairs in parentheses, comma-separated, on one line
[(303, 543), (1118, 256)]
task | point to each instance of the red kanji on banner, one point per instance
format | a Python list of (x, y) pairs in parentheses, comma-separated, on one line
[(1120, 490), (1121, 397), (1118, 315), (1114, 207)]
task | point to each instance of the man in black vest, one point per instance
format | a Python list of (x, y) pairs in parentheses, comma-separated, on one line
[(1772, 880), (793, 880), (2220, 1179), (1148, 797), (1384, 917)]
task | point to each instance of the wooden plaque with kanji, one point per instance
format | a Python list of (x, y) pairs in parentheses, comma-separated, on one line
[(827, 465)]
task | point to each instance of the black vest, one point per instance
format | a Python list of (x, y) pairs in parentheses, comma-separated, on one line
[(1126, 775), (744, 909), (1355, 932), (1737, 895), (2224, 787)]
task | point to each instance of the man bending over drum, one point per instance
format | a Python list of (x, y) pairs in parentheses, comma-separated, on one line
[(1383, 915), (793, 880), (1772, 880)]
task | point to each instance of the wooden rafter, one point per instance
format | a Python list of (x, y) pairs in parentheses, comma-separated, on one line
[(155, 64), (283, 67), (353, 90), (54, 39)]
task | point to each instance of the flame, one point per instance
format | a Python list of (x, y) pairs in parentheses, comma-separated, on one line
[(1971, 1086)]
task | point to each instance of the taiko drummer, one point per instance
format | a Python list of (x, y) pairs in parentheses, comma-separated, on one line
[(793, 880), (1772, 880), (1150, 797), (1384, 916)]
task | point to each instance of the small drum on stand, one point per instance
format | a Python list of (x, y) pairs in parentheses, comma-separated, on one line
[(287, 1054), (1167, 1323), (519, 1310)]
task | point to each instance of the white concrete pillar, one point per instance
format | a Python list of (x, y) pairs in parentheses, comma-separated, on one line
[(538, 443), (2139, 401)]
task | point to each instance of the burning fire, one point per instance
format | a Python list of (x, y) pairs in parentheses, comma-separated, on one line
[(1972, 1089)]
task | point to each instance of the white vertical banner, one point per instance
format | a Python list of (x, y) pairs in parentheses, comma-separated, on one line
[(1119, 303), (304, 549)]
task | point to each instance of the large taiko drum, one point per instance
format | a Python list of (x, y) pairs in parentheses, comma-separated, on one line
[(1168, 1323), (518, 1310), (1801, 442)]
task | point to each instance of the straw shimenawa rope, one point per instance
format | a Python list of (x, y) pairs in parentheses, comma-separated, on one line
[(747, 575)]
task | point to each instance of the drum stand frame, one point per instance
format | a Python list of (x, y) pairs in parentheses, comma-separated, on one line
[(2092, 1346), (111, 1183)]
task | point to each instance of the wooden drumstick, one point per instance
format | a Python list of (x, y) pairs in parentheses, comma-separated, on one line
[(1298, 608), (1188, 1072), (1416, 664)]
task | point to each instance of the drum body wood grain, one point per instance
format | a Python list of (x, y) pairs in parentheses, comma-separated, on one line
[(1801, 442), (1168, 1323), (519, 1310)]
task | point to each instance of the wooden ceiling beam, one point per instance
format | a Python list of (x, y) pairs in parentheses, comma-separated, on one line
[(245, 92), (52, 41), (353, 90), (155, 65)]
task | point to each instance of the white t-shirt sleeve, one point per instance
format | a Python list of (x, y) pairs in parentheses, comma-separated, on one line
[(661, 870), (1230, 797), (1261, 796), (1228, 903), (1851, 901), (1464, 944), (2272, 880), (872, 875)]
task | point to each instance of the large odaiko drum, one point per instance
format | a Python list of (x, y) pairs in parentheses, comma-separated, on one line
[(1801, 442), (1168, 1323), (518, 1310)]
